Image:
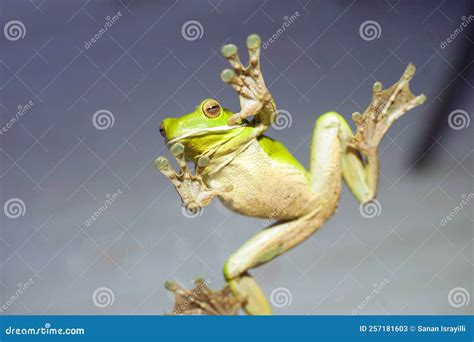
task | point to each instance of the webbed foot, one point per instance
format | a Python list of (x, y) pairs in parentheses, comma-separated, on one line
[(203, 301), (194, 193), (386, 107)]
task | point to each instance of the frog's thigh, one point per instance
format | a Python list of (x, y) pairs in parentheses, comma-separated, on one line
[(325, 157), (330, 156)]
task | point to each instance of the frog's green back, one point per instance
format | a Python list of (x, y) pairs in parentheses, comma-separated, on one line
[(278, 152)]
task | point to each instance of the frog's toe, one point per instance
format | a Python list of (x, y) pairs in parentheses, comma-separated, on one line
[(229, 50), (177, 149), (377, 86), (203, 161), (162, 163), (235, 119), (253, 41), (171, 285), (227, 75), (253, 45)]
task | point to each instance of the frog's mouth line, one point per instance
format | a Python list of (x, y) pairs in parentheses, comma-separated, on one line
[(204, 131)]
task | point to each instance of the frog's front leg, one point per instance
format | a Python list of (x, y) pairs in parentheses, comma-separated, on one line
[(194, 193), (247, 81)]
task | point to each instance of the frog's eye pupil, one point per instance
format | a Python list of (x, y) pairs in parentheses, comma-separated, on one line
[(212, 109)]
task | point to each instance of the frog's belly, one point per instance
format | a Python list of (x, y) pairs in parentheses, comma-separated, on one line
[(262, 187)]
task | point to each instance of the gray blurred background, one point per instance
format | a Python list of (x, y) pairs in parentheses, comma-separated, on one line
[(59, 169)]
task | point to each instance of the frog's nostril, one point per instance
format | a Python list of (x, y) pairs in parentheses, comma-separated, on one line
[(162, 129)]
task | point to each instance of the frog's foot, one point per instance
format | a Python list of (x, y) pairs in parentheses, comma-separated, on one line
[(191, 188), (246, 80), (203, 301), (386, 107), (251, 295)]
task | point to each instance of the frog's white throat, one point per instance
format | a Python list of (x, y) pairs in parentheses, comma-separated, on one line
[(203, 131)]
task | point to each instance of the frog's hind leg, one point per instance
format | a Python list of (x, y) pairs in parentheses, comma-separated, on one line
[(387, 106), (263, 247), (282, 236), (358, 152), (331, 154)]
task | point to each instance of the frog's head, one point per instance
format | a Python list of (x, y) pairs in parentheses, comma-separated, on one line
[(204, 130)]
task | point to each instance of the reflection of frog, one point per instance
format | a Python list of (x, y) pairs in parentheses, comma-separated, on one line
[(257, 176)]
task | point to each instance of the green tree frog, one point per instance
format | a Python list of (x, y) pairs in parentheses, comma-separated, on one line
[(257, 176)]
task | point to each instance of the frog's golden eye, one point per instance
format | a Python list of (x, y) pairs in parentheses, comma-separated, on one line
[(211, 109)]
